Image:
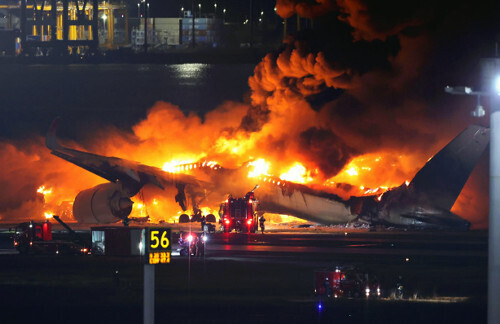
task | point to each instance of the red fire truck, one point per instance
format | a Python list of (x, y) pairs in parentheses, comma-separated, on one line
[(34, 237), (239, 214), (346, 282)]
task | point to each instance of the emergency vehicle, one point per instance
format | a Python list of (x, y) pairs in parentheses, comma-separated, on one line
[(346, 282), (239, 214), (36, 237), (192, 244)]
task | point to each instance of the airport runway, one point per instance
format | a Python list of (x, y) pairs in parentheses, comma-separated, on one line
[(262, 279)]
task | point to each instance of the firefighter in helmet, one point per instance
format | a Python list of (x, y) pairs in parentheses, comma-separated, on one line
[(261, 223)]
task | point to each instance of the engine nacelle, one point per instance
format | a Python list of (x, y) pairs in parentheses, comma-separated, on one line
[(105, 203)]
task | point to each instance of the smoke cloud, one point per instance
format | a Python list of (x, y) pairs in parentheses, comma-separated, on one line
[(356, 99)]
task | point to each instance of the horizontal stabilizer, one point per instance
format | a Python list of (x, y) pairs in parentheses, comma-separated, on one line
[(444, 220)]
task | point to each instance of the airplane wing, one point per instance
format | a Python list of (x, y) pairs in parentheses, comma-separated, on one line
[(132, 175)]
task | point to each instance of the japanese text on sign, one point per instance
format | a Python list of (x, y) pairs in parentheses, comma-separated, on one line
[(159, 257)]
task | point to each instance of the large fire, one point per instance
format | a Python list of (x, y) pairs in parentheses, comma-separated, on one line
[(368, 136), (365, 174)]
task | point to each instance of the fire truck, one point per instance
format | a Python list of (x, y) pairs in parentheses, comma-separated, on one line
[(36, 237), (346, 282), (239, 214)]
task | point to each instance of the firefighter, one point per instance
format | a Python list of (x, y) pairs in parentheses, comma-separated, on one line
[(200, 245), (399, 288), (328, 287), (261, 223), (203, 223)]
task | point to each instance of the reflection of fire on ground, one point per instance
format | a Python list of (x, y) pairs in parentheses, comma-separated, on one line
[(281, 219)]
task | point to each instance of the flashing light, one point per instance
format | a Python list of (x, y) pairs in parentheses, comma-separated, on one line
[(190, 238), (378, 291), (249, 222), (205, 238), (320, 306), (367, 292), (227, 221)]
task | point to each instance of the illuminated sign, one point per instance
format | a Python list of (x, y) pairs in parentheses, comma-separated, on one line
[(158, 243), (158, 257)]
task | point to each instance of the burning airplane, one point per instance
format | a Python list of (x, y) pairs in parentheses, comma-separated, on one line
[(425, 202), (334, 118)]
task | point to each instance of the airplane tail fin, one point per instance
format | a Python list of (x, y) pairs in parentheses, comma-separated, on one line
[(442, 178)]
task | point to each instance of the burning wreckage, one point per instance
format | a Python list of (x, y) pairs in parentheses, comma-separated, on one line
[(425, 202)]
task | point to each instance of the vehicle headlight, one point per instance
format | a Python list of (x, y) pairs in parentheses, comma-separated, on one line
[(367, 292)]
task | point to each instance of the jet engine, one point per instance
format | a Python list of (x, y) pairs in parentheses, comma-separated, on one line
[(105, 203)]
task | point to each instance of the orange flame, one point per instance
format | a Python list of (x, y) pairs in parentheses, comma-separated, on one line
[(260, 168), (297, 173), (44, 191)]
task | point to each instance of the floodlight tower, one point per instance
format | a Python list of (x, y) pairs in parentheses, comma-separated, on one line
[(490, 79)]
